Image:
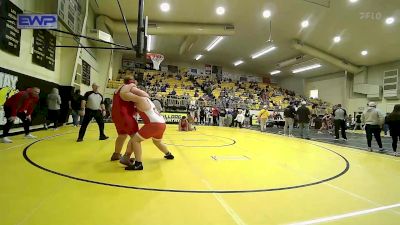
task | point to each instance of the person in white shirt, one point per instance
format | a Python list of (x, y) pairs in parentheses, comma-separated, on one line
[(240, 118)]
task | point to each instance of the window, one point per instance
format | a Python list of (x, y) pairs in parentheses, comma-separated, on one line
[(313, 93)]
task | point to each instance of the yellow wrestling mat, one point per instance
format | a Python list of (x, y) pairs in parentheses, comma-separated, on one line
[(219, 176)]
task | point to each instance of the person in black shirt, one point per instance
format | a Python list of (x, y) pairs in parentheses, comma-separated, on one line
[(247, 118), (304, 115), (358, 124), (202, 116), (75, 107), (393, 119), (289, 113)]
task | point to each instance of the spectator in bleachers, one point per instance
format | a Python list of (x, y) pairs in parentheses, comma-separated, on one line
[(226, 94), (173, 92)]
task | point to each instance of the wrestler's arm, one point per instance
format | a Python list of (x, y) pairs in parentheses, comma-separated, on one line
[(139, 92), (127, 95)]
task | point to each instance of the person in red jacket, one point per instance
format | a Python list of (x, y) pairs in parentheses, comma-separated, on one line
[(20, 105)]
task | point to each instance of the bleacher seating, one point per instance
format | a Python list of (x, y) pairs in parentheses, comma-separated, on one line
[(206, 91)]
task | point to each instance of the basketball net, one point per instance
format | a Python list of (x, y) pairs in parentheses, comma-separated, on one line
[(156, 58)]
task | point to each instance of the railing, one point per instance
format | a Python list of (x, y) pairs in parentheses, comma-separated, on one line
[(180, 103)]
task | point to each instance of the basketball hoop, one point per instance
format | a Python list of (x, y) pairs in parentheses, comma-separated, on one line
[(156, 58)]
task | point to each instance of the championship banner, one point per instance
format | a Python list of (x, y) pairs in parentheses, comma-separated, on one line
[(44, 49), (128, 64), (10, 35), (173, 118)]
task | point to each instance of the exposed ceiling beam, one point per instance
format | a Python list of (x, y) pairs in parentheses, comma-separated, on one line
[(108, 25), (309, 50)]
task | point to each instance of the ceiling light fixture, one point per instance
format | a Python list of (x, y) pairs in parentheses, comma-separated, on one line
[(365, 52), (305, 24), (302, 69), (389, 20), (353, 1), (263, 52), (238, 63), (267, 14), (165, 7), (337, 39), (275, 72), (220, 11), (214, 43), (198, 57)]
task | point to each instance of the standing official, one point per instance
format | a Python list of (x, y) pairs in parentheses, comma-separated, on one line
[(340, 122), (92, 105)]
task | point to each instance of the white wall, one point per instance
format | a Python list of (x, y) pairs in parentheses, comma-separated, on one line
[(337, 88), (375, 76), (295, 84), (331, 87), (235, 72)]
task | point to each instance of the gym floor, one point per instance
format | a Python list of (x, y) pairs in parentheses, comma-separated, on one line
[(219, 176)]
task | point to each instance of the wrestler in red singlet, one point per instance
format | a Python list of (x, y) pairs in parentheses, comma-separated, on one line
[(183, 124), (123, 113)]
